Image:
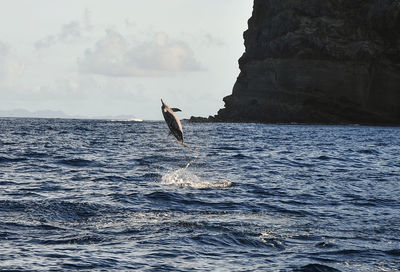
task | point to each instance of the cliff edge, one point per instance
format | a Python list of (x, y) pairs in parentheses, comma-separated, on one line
[(313, 61)]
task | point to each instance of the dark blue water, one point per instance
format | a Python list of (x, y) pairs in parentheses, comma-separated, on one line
[(117, 196)]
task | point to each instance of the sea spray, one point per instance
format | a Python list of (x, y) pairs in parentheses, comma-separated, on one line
[(184, 177)]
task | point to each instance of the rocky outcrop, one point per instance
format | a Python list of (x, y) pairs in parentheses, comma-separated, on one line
[(313, 61)]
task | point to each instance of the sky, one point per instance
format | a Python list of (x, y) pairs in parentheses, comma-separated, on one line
[(104, 58)]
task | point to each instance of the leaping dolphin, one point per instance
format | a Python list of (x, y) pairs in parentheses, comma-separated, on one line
[(174, 124)]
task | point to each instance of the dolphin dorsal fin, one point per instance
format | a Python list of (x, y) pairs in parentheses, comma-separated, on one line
[(175, 109)]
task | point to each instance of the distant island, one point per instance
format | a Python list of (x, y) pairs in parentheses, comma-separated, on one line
[(33, 114), (23, 113), (331, 62)]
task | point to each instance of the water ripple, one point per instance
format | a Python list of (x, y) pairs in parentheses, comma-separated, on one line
[(117, 196)]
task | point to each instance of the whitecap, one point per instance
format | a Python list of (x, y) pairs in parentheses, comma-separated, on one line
[(185, 178)]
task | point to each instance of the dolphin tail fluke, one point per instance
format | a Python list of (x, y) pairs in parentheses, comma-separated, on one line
[(185, 145)]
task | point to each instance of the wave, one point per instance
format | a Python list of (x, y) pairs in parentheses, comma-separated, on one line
[(54, 210), (77, 162), (393, 252), (368, 151), (35, 154), (81, 239), (317, 268), (8, 159)]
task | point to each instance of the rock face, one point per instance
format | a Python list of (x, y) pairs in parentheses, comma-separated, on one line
[(313, 61)]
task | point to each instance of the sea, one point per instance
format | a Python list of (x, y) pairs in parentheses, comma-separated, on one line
[(100, 195)]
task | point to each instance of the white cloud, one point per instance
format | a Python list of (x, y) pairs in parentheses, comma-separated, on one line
[(11, 68), (87, 20), (115, 55), (211, 40), (3, 51), (69, 32)]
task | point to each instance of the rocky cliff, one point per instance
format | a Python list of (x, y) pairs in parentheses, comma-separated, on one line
[(313, 61)]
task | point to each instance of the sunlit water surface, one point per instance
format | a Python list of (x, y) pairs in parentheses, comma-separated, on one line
[(115, 196)]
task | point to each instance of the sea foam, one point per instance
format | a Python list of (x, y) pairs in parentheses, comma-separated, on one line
[(186, 178)]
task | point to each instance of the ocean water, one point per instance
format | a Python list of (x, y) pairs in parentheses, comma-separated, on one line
[(115, 196)]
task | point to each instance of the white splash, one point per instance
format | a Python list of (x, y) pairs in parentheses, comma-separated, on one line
[(185, 178)]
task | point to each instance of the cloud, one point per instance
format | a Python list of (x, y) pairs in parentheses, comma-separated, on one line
[(210, 40), (10, 67), (70, 32), (3, 51), (87, 20), (115, 55)]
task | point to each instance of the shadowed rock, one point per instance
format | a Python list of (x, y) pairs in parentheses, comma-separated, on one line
[(312, 61)]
